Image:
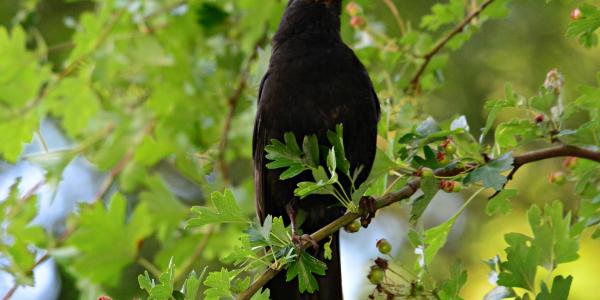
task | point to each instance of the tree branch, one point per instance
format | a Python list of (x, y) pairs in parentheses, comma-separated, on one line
[(415, 81), (232, 103), (410, 189), (559, 151)]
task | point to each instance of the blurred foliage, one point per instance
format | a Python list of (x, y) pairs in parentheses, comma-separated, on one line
[(142, 86)]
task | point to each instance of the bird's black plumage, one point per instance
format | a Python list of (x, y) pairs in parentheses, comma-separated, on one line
[(314, 82)]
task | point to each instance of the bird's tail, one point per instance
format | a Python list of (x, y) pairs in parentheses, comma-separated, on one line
[(330, 285)]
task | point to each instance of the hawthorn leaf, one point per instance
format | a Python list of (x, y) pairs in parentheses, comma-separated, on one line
[(500, 204), (304, 267), (225, 210)]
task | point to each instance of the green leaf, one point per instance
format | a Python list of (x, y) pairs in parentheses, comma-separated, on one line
[(495, 106), (514, 133), (219, 284), (100, 227), (435, 238), (586, 25), (331, 161), (211, 15), (306, 188), (191, 285), (19, 237), (429, 186), (162, 290), (520, 268), (337, 141), (560, 289), (442, 14), (21, 80), (304, 267), (450, 289), (544, 101), (225, 210), (552, 236), (489, 173), (328, 253), (74, 101), (287, 155), (500, 204), (166, 210), (310, 146)]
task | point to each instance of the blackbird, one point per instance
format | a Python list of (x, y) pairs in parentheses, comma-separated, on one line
[(314, 82)]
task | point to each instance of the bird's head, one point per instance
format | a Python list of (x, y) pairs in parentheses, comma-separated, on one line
[(317, 16), (335, 5)]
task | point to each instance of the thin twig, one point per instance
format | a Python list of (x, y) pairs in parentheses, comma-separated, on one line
[(411, 188), (197, 252), (149, 266), (397, 16), (415, 81), (232, 103), (120, 166)]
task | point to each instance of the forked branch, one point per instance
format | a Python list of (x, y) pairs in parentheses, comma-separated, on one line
[(411, 188)]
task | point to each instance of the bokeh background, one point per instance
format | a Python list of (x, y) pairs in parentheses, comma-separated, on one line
[(206, 57)]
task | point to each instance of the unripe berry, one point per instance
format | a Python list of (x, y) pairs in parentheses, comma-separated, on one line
[(539, 118), (575, 14), (357, 22), (376, 275), (449, 146), (426, 172), (557, 177), (384, 246), (352, 227), (570, 162), (353, 8), (442, 158), (457, 187)]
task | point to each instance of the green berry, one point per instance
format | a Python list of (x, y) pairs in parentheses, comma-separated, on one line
[(384, 246), (376, 275), (426, 172), (558, 177), (353, 227), (450, 148), (457, 187)]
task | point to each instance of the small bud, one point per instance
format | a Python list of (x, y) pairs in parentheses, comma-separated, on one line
[(554, 81), (570, 162), (376, 275), (576, 14), (352, 227), (353, 8), (557, 178), (357, 22), (449, 146), (384, 246), (539, 118)]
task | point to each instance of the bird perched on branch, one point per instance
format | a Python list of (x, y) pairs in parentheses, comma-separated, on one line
[(314, 82)]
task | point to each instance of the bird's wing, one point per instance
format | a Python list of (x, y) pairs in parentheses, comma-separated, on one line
[(259, 141)]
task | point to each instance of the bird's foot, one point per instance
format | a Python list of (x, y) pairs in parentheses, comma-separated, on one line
[(367, 208), (300, 240)]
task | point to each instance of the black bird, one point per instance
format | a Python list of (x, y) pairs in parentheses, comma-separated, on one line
[(314, 81)]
